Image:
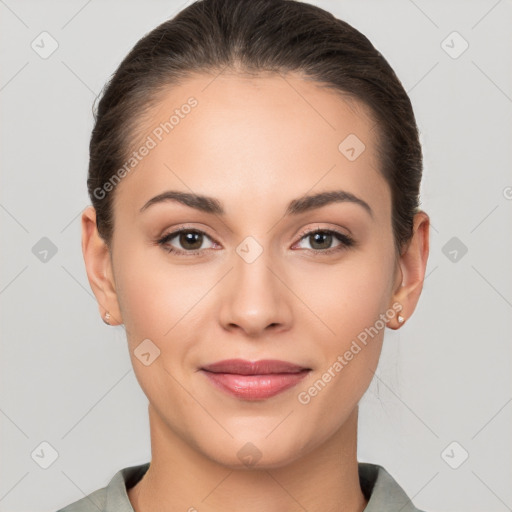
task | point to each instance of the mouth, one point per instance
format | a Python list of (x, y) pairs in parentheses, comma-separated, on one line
[(256, 380)]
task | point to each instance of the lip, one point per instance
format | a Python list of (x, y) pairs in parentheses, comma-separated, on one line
[(256, 380)]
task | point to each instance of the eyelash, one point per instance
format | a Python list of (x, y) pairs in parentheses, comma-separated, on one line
[(345, 241)]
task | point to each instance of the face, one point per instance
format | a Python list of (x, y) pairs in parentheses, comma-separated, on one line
[(261, 271)]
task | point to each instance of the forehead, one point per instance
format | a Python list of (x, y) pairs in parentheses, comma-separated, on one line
[(270, 138)]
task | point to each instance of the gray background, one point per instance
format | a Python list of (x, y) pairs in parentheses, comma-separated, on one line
[(66, 378)]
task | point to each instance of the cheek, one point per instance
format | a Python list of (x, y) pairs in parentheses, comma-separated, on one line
[(163, 301), (348, 296), (159, 302), (353, 345)]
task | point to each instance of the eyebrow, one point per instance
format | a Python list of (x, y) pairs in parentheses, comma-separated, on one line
[(295, 207)]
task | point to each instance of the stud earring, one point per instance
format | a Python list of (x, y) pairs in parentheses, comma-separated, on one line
[(107, 318), (401, 319)]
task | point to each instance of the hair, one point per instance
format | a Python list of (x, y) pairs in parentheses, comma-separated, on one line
[(257, 36)]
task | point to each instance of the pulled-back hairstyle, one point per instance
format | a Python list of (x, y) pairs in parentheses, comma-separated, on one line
[(258, 36)]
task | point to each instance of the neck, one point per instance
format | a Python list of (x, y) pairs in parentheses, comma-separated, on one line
[(181, 478)]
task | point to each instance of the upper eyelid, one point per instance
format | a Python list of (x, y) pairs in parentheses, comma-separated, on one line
[(309, 231)]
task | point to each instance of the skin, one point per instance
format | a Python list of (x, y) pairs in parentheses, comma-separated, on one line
[(255, 144)]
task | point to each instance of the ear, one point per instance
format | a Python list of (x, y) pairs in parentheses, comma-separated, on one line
[(411, 272), (98, 265)]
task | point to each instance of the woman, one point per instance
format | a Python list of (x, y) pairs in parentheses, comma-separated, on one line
[(254, 177)]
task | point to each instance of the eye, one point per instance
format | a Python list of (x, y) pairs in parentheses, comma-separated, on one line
[(191, 241), (321, 240)]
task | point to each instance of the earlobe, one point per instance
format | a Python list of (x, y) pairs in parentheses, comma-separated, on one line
[(98, 266), (412, 263)]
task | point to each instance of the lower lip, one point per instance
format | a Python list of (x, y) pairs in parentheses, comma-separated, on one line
[(255, 387)]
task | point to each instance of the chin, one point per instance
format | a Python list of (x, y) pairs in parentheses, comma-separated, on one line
[(256, 453)]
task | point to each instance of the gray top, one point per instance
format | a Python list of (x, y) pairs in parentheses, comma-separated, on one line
[(379, 487)]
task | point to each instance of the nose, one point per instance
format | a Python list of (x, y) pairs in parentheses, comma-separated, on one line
[(255, 298)]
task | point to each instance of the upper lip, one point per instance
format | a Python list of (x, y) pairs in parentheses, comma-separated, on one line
[(261, 367)]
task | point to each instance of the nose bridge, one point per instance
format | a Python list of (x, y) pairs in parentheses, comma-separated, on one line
[(256, 297)]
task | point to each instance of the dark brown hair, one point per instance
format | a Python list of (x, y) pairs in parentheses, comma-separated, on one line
[(257, 36)]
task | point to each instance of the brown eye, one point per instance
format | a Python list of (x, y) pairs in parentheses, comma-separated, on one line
[(189, 241), (321, 240)]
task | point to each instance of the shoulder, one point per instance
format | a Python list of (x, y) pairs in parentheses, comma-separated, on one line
[(90, 503), (382, 491), (113, 497)]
